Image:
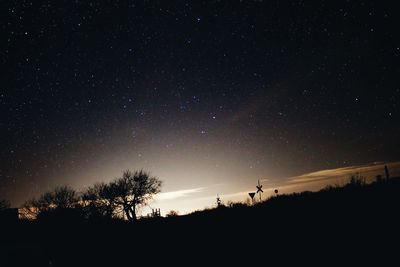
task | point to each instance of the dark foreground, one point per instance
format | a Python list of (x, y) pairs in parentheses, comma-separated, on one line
[(350, 225)]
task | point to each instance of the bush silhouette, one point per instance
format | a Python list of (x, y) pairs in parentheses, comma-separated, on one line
[(172, 213)]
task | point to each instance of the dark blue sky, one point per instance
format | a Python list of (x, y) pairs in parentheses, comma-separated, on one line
[(198, 93)]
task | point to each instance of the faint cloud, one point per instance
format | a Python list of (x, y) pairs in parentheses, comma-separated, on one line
[(234, 195), (367, 170), (179, 194), (317, 180)]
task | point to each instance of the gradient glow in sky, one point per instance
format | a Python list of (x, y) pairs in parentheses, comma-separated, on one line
[(208, 96), (198, 198)]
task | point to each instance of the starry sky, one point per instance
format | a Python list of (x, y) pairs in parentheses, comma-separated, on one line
[(209, 96)]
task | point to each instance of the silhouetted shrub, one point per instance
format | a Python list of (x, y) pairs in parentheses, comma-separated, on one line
[(172, 213), (356, 180)]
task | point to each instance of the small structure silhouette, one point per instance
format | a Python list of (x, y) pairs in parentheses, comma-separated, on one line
[(276, 192), (219, 202), (154, 213)]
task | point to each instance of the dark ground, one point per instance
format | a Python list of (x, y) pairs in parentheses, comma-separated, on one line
[(351, 225)]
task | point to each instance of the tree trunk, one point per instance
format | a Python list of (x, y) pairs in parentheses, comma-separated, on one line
[(133, 211), (127, 213)]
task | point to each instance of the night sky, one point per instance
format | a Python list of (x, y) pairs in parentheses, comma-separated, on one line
[(207, 95)]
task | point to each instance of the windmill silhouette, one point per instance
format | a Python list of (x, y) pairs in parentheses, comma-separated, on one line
[(259, 189)]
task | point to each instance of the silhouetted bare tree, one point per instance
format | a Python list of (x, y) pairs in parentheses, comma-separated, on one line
[(135, 189), (62, 197), (122, 198), (100, 200)]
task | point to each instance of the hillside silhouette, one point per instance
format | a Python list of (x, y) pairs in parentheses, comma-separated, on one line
[(355, 223)]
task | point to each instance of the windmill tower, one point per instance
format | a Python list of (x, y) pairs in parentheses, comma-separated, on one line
[(259, 189)]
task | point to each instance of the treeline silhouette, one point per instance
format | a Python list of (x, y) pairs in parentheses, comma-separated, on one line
[(352, 224), (118, 199)]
